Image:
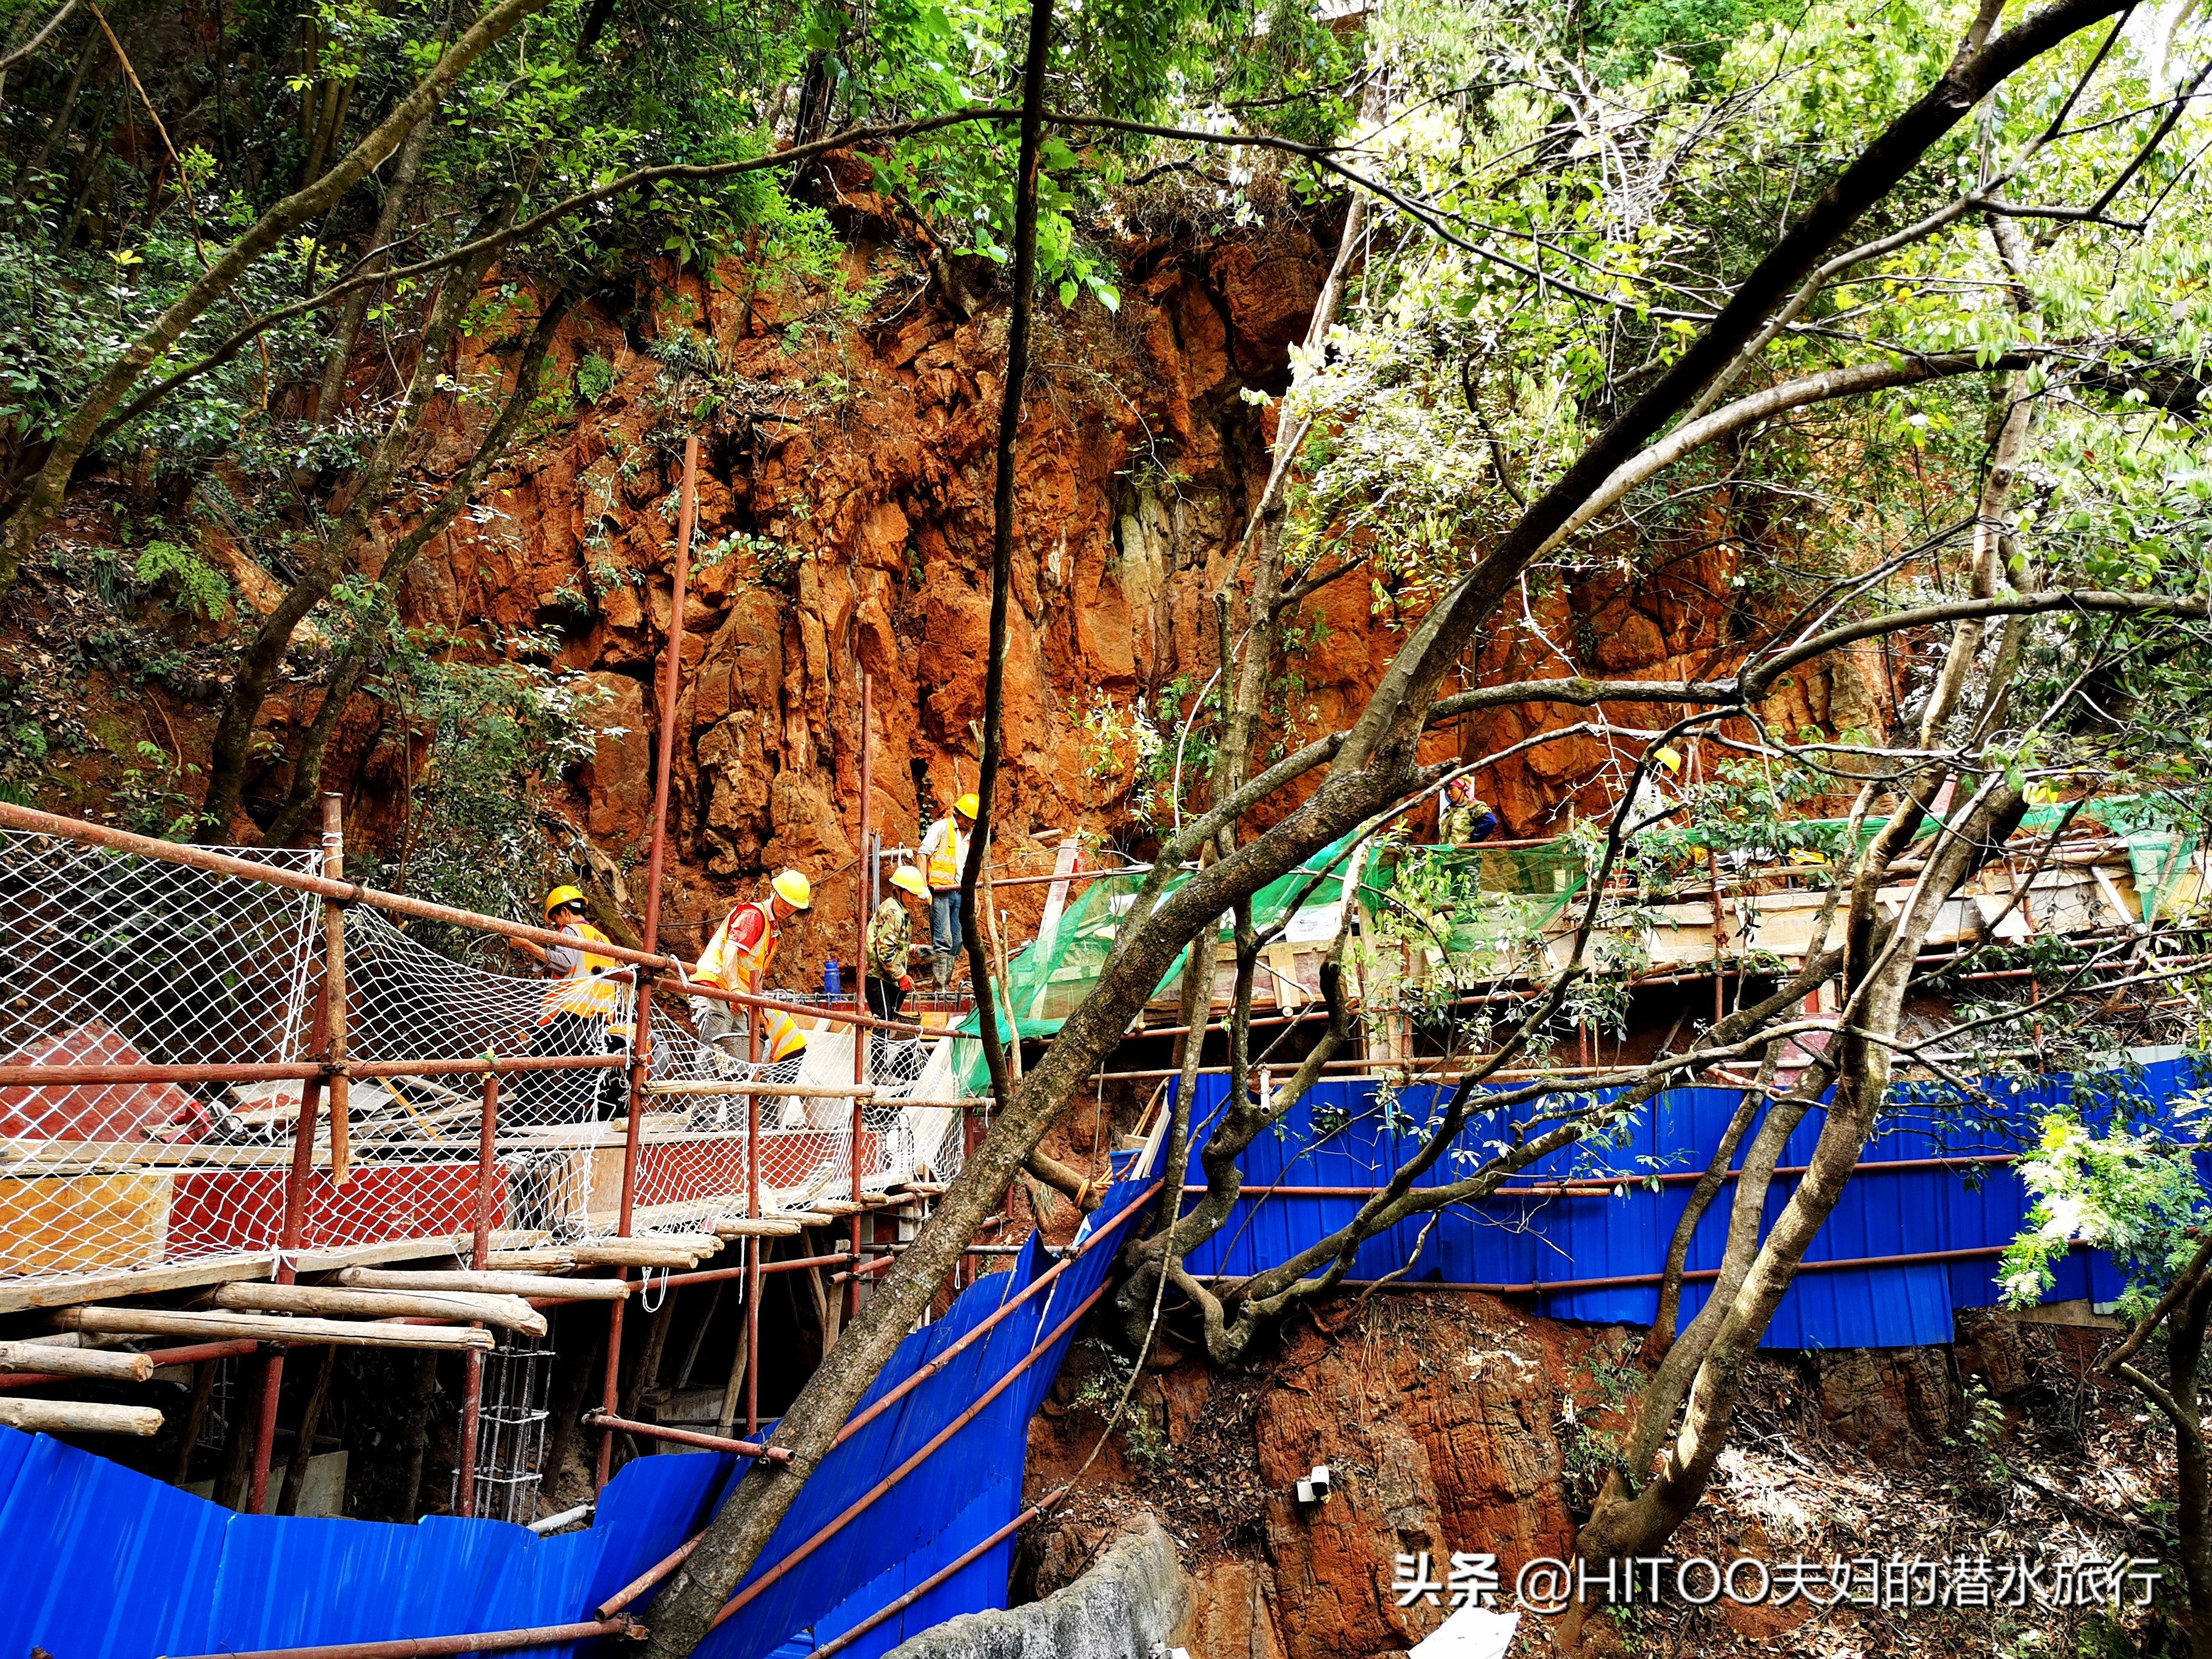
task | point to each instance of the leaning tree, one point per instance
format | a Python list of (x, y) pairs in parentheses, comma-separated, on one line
[(1575, 310)]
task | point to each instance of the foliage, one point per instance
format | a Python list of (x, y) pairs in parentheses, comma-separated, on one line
[(200, 587), (488, 735), (2134, 1192)]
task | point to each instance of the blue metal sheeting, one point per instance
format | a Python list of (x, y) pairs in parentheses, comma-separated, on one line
[(102, 1563), (1344, 1134)]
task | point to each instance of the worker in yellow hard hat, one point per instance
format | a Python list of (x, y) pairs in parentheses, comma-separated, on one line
[(1467, 817), (891, 950), (944, 854), (585, 1011), (737, 958)]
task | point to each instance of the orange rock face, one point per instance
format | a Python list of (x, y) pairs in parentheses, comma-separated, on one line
[(1440, 1418), (844, 511)]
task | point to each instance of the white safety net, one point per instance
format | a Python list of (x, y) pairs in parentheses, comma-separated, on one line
[(113, 959)]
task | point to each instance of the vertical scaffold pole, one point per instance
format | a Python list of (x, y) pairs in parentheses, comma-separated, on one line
[(862, 1038), (334, 975), (288, 1248), (672, 687), (465, 1490), (326, 1042), (755, 1243)]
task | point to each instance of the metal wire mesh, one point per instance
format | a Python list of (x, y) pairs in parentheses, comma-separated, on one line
[(511, 1431), (110, 959)]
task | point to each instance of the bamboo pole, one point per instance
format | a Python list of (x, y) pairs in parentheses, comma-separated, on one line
[(267, 1327)]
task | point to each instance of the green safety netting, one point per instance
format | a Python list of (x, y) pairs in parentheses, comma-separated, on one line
[(1057, 971), (1517, 892), (1521, 889)]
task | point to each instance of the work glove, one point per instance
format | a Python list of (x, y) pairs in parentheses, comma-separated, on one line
[(700, 1007), (905, 983)]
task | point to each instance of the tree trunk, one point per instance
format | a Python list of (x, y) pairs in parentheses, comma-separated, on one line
[(389, 219), (264, 658), (1660, 1337), (351, 667)]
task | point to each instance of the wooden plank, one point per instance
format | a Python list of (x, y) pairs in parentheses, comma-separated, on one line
[(270, 1327), (83, 1223), (66, 1290), (543, 1287)]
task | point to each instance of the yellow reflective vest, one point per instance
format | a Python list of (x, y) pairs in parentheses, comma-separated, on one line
[(585, 991), (945, 849)]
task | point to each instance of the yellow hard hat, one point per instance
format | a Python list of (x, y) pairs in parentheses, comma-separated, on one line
[(966, 806), (908, 878), (561, 896), (793, 890)]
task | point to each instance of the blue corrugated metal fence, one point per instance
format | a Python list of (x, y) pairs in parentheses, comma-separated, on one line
[(101, 1563), (1345, 1134)]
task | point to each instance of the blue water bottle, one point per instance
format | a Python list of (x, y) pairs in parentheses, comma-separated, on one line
[(831, 987)]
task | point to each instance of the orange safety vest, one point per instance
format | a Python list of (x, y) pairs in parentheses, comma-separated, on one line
[(943, 870), (730, 966), (583, 990)]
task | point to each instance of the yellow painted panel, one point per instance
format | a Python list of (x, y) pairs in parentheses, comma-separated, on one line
[(79, 1223)]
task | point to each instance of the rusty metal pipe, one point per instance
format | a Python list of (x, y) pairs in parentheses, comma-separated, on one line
[(1914, 1259), (983, 1326), (222, 863), (652, 1576), (1586, 1186), (708, 1275), (1043, 1281), (192, 1355), (297, 1071), (334, 991), (866, 1499), (942, 1574), (714, 1443)]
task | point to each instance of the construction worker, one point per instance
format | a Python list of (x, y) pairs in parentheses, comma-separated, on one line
[(1467, 817), (737, 958), (583, 1011), (944, 853), (890, 943)]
